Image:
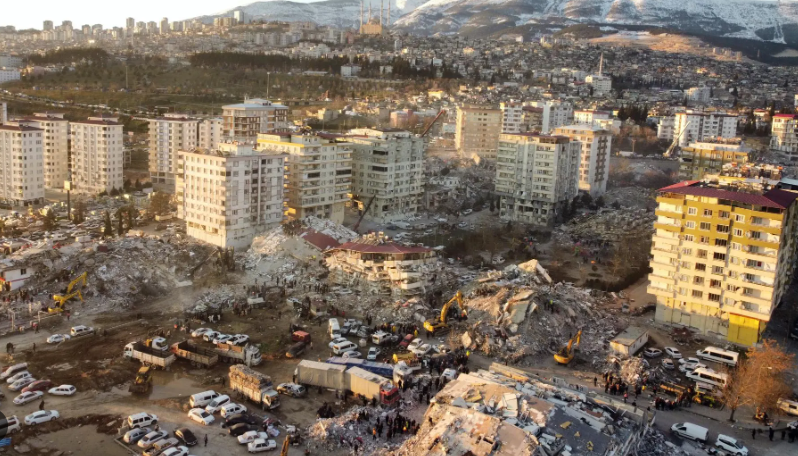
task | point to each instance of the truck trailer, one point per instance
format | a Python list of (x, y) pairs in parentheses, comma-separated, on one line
[(254, 386), (248, 354), (196, 355), (382, 369), (149, 356), (343, 378)]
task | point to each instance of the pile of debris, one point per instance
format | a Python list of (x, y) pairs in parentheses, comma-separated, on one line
[(352, 429), (606, 226), (248, 377)]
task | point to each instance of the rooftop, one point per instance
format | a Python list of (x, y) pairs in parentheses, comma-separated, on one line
[(775, 199)]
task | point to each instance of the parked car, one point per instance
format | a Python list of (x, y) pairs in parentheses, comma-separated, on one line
[(200, 332), (149, 439), (338, 340), (134, 435), (42, 416), (210, 335), (27, 396), (231, 409), (250, 436), (175, 451), (406, 341), (18, 376), (19, 384), (667, 363), (222, 339), (39, 385), (63, 390), (422, 350), (731, 445), (217, 403), (240, 428), (58, 338), (200, 416), (374, 352), (291, 389), (239, 339), (351, 354), (186, 436), (261, 445), (415, 344), (241, 418), (673, 352), (652, 352)]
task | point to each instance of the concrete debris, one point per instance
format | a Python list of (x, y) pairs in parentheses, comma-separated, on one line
[(347, 431)]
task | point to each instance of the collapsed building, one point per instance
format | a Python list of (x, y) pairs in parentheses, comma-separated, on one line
[(380, 266)]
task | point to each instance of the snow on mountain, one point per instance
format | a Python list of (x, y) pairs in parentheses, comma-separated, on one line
[(758, 19)]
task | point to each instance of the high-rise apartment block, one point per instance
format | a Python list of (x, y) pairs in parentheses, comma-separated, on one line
[(243, 121), (722, 260), (601, 84), (130, 24), (536, 176), (21, 164), (692, 126), (784, 137), (3, 113), (512, 117), (555, 114), (228, 195), (387, 172), (477, 131), (594, 165), (55, 141), (318, 173), (169, 135), (210, 133), (47, 25), (97, 154), (703, 158), (164, 26)]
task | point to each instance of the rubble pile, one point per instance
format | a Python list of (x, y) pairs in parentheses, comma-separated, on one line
[(518, 312), (346, 430), (634, 197), (654, 444), (606, 226)]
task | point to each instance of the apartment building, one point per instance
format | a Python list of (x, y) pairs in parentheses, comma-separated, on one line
[(3, 113), (594, 164), (665, 128), (555, 114), (477, 131), (532, 119), (536, 175), (700, 94), (228, 195), (243, 121), (722, 260), (55, 142), (784, 137), (169, 135), (21, 164), (387, 172), (512, 117), (601, 84), (692, 126), (704, 158), (318, 173), (210, 133), (97, 155)]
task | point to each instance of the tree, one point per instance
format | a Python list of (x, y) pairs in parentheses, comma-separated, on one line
[(120, 226), (600, 201), (159, 203), (130, 222), (79, 215), (108, 230), (49, 222), (138, 185), (734, 394), (114, 192)]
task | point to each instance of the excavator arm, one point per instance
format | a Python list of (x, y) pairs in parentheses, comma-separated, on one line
[(286, 445), (78, 279), (458, 298)]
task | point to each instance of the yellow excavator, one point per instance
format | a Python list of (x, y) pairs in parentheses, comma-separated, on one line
[(566, 354), (61, 300), (142, 382), (441, 326)]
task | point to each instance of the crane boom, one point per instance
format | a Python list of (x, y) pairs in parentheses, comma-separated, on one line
[(366, 209), (429, 127), (78, 279)]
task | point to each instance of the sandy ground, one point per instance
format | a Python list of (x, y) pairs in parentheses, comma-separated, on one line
[(665, 43)]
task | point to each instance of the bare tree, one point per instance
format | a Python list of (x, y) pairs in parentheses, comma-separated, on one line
[(736, 393), (768, 367)]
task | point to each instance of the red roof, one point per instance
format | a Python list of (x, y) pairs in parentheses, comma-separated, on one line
[(319, 240), (388, 247), (786, 116), (777, 199)]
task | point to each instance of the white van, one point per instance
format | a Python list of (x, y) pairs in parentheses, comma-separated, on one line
[(216, 404), (690, 431), (718, 355), (334, 328), (709, 376), (202, 399), (788, 407), (13, 370), (9, 425), (343, 347)]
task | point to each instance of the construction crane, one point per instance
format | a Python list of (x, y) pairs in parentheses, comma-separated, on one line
[(429, 127), (441, 326), (672, 147), (566, 354), (60, 300), (366, 209)]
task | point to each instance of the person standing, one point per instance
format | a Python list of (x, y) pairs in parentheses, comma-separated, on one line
[(206, 439), (770, 433), (41, 405)]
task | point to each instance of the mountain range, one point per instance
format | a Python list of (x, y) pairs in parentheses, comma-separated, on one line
[(767, 20)]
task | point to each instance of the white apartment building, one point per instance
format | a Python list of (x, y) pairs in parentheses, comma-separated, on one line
[(318, 173), (602, 85), (784, 136), (536, 176), (699, 94), (477, 131), (594, 164), (9, 74), (3, 113), (388, 167), (21, 164), (665, 128), (210, 133), (228, 195), (97, 155), (56, 146), (243, 121), (695, 126), (168, 136), (555, 114), (512, 117), (589, 116)]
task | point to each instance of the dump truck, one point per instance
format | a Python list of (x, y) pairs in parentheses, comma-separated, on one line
[(196, 355), (148, 356), (296, 349), (383, 369), (248, 354), (354, 379), (142, 382), (254, 386)]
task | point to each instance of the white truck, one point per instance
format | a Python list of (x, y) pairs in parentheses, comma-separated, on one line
[(248, 354), (254, 386), (149, 356), (339, 377)]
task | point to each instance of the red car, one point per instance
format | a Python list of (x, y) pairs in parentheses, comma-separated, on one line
[(406, 341), (39, 385)]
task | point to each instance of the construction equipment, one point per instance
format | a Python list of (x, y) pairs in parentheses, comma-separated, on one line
[(429, 127), (286, 444), (366, 209), (60, 300), (566, 354), (672, 147), (142, 382), (441, 326)]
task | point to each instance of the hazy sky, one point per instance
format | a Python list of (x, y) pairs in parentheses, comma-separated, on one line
[(30, 14)]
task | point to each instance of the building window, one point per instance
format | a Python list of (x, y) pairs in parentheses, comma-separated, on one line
[(714, 283), (692, 211), (723, 228), (717, 270), (714, 297), (698, 294), (703, 240), (707, 213), (689, 224), (755, 234), (723, 214), (702, 254), (688, 237), (706, 226), (700, 267), (698, 280), (738, 232), (719, 256), (739, 218)]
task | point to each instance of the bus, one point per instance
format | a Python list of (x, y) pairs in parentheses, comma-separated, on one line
[(702, 375), (718, 355)]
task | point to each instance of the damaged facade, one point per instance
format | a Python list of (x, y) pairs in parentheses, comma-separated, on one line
[(383, 267)]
